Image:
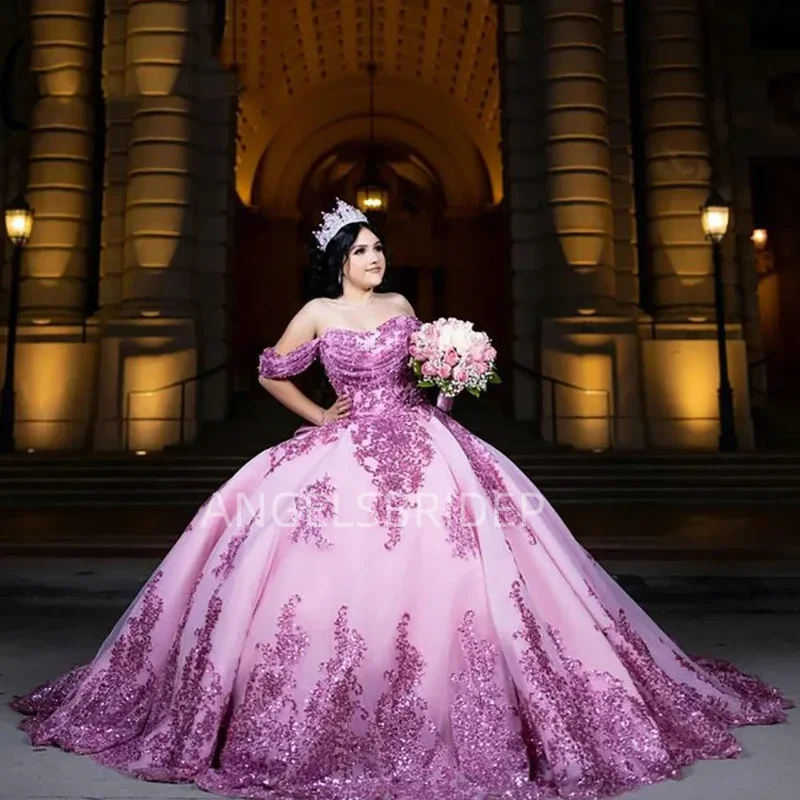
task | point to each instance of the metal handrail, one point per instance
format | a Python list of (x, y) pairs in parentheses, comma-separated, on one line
[(183, 383), (554, 382)]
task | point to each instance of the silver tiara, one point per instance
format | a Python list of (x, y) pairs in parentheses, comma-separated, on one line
[(334, 221)]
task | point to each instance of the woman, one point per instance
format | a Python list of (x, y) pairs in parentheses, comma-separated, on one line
[(398, 612)]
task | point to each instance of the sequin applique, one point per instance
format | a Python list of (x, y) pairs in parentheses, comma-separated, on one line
[(303, 442), (388, 416), (487, 731), (488, 473), (277, 366), (92, 711), (263, 729), (460, 526), (589, 733), (314, 508), (226, 562), (395, 452)]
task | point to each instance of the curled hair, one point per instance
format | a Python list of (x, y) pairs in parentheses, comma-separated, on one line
[(326, 265)]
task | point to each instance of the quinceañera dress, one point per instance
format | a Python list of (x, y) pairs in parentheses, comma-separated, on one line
[(398, 614)]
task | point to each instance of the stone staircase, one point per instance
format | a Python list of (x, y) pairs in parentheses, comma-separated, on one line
[(565, 477)]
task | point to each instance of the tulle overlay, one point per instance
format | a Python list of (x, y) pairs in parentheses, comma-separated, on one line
[(314, 633)]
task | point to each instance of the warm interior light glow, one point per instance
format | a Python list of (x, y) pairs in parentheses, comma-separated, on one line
[(372, 198), (759, 238), (715, 216), (141, 452), (19, 221)]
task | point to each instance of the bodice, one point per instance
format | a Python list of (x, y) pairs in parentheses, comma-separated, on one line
[(368, 366)]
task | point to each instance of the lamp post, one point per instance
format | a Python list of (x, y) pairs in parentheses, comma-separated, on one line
[(715, 214), (19, 224)]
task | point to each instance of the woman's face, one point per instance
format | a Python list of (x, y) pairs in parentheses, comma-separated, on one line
[(366, 263)]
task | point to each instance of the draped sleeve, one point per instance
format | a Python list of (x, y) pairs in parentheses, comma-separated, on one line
[(277, 365)]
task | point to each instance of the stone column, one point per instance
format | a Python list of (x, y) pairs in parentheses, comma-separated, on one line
[(679, 349), (677, 152), (150, 320), (567, 323), (619, 135), (118, 126), (56, 345), (582, 279), (60, 182), (167, 225), (160, 235)]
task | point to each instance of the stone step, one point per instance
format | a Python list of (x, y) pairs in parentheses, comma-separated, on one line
[(187, 479)]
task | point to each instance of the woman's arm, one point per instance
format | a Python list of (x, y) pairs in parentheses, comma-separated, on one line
[(300, 331)]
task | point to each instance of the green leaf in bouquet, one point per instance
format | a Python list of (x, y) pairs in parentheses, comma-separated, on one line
[(425, 384), (473, 391), (494, 377)]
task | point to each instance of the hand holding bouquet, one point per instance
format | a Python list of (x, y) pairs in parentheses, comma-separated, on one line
[(449, 354)]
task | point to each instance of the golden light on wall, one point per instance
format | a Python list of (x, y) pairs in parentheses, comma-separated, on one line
[(583, 402), (152, 412), (681, 379), (54, 383)]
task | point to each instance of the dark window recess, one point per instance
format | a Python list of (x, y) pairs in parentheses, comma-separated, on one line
[(775, 24)]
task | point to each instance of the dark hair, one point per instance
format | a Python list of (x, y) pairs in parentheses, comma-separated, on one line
[(325, 265)]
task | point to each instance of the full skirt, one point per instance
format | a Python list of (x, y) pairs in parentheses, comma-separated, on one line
[(390, 609)]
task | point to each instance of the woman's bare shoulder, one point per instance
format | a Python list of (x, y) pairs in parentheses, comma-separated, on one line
[(400, 302), (302, 327)]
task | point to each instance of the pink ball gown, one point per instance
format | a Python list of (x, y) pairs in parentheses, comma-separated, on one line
[(372, 643)]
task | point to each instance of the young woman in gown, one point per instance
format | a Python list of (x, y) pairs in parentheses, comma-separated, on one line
[(370, 609)]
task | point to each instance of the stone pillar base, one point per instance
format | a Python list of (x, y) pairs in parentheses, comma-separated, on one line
[(594, 400), (54, 385), (680, 368), (139, 359)]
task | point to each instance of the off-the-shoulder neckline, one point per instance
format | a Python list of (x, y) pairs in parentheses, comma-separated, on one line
[(365, 330)]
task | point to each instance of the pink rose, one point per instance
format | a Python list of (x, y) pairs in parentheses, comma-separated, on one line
[(461, 375), (475, 353), (428, 369), (489, 353), (480, 367), (444, 371), (451, 357)]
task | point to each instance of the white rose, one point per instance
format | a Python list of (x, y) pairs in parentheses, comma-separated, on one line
[(462, 339)]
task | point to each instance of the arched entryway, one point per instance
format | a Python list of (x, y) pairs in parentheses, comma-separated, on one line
[(304, 129)]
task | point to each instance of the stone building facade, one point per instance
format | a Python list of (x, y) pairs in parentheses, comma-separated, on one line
[(548, 158)]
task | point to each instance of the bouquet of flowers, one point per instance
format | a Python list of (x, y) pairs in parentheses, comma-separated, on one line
[(449, 354)]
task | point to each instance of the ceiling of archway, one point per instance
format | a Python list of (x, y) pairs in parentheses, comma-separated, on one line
[(289, 52)]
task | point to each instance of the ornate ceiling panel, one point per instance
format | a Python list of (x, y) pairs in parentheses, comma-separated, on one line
[(292, 54), (285, 47)]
